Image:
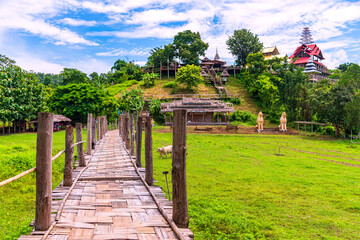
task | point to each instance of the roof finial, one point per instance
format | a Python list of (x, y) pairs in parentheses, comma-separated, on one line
[(217, 54), (306, 37)]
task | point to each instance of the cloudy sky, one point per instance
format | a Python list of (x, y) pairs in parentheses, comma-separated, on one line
[(48, 35)]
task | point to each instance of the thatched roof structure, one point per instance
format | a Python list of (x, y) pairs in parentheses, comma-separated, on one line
[(198, 105), (57, 118)]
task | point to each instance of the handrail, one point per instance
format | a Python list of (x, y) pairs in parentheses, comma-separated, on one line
[(23, 174)]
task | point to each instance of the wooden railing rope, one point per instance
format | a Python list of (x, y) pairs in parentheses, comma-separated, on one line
[(23, 174)]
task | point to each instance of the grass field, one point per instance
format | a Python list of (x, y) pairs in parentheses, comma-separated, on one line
[(17, 154), (238, 188)]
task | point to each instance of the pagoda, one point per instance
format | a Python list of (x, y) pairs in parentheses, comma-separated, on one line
[(309, 56)]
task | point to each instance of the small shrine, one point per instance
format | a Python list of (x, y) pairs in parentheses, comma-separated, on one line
[(200, 111), (271, 52)]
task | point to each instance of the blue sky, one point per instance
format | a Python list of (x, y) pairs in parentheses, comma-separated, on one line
[(48, 35)]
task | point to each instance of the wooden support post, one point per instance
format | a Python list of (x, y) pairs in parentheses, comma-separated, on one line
[(149, 179), (123, 126), (312, 129), (138, 140), (305, 127), (132, 133), (93, 133), (127, 132), (98, 128), (298, 127), (102, 120), (115, 123), (120, 124), (44, 171), (80, 147), (69, 156), (180, 201), (89, 131)]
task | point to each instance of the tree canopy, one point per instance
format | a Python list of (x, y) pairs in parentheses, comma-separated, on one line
[(242, 43), (161, 55), (77, 100), (190, 76), (189, 47), (72, 75), (21, 94), (131, 100)]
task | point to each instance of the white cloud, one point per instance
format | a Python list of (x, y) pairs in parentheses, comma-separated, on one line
[(89, 65), (31, 16), (37, 65), (335, 57), (78, 22), (125, 52)]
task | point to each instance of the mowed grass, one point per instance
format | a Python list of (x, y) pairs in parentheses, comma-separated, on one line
[(17, 199), (238, 188)]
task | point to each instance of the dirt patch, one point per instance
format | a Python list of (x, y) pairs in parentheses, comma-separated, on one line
[(323, 155), (341, 163)]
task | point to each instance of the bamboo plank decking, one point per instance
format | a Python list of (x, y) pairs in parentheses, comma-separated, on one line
[(109, 201)]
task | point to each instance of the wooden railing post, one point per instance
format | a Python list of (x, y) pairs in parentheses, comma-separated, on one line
[(120, 126), (138, 141), (106, 124), (102, 129), (44, 171), (93, 133), (123, 127), (98, 128), (69, 156), (132, 132), (180, 201), (80, 147), (149, 179), (89, 131), (127, 132), (115, 123)]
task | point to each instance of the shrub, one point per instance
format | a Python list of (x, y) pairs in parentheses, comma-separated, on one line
[(155, 110), (171, 84), (243, 117), (234, 100)]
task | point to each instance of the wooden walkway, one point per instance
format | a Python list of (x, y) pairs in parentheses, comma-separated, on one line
[(110, 201)]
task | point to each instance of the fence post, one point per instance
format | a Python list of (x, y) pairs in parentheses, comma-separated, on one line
[(80, 147), (69, 156), (106, 124), (102, 122), (138, 140), (149, 179), (132, 131), (98, 127), (93, 133), (127, 132), (115, 123), (180, 201), (88, 127), (43, 171)]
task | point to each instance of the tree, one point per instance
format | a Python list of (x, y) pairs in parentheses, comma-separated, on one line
[(351, 77), (77, 100), (343, 67), (21, 94), (242, 43), (161, 55), (72, 75), (149, 79), (5, 61), (190, 76), (256, 63), (131, 101), (189, 47)]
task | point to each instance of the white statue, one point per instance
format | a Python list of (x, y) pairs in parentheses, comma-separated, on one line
[(260, 122), (282, 126)]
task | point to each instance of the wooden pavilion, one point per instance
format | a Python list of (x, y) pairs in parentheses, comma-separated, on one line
[(59, 120), (201, 111)]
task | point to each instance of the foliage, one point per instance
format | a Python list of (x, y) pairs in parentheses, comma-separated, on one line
[(5, 61), (243, 117), (21, 94), (155, 110), (189, 75), (234, 100), (256, 63), (343, 67), (117, 88), (189, 47), (75, 101), (123, 71), (171, 84), (131, 100), (160, 55), (149, 79), (72, 75), (50, 79), (242, 43)]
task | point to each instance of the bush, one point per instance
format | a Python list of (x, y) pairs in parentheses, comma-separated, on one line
[(155, 110), (234, 100), (171, 85), (243, 117)]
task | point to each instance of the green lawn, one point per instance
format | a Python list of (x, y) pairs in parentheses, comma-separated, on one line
[(17, 154), (238, 188)]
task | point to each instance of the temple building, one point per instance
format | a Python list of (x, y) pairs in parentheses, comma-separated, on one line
[(217, 62), (271, 52), (309, 56)]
